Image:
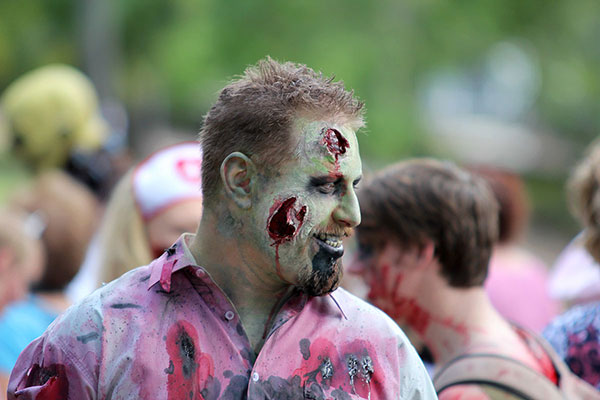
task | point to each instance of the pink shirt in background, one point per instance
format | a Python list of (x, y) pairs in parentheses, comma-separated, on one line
[(166, 331), (517, 286)]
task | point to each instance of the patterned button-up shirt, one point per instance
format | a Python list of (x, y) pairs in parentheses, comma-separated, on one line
[(167, 331)]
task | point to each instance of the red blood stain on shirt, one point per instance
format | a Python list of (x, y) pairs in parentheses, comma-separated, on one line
[(336, 143), (322, 351), (52, 378), (310, 369), (374, 387), (189, 369)]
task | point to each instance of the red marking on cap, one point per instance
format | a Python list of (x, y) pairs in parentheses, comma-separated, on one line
[(189, 169)]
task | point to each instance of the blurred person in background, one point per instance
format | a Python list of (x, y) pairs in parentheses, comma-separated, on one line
[(21, 256), (52, 120), (576, 334), (21, 264), (427, 233), (150, 207), (517, 281), (68, 211), (575, 275)]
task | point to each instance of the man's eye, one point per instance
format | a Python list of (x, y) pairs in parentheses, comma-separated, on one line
[(327, 188)]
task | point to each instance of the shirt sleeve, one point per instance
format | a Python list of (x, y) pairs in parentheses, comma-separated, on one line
[(414, 380), (46, 370)]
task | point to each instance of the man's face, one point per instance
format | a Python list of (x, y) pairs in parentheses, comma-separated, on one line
[(308, 205)]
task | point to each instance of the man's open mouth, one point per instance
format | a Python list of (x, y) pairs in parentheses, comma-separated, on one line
[(332, 244)]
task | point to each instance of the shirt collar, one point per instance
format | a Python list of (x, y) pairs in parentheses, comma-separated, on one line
[(172, 260), (178, 257)]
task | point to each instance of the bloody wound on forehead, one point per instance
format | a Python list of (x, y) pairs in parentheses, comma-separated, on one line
[(336, 143)]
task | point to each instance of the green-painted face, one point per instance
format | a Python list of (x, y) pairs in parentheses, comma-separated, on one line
[(308, 205)]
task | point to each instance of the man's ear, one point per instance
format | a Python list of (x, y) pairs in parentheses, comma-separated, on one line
[(427, 252), (238, 173)]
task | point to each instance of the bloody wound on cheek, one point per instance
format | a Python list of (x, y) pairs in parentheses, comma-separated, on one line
[(336, 143), (285, 220)]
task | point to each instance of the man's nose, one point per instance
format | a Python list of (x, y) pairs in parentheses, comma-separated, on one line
[(348, 211)]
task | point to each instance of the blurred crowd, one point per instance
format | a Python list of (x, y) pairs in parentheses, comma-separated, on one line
[(92, 212)]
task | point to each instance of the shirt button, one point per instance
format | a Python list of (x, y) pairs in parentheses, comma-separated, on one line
[(199, 273), (229, 315), (255, 377)]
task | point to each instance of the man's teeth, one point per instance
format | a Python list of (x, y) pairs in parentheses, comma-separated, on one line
[(332, 240)]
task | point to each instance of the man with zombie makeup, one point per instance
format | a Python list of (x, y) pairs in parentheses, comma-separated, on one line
[(249, 306), (424, 245)]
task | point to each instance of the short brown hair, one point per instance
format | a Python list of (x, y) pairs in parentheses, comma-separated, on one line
[(418, 200), (254, 114), (583, 190), (510, 192)]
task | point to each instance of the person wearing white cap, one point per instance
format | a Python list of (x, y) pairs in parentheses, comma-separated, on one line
[(150, 207)]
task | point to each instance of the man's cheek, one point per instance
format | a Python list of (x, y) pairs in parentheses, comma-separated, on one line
[(286, 217)]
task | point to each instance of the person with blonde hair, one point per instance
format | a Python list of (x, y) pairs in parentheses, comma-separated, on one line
[(150, 207)]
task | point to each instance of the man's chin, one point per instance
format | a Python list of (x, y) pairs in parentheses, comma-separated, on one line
[(316, 284)]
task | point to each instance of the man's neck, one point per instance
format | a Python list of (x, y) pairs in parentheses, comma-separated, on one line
[(454, 321), (256, 294)]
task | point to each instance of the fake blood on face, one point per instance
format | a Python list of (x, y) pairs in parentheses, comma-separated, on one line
[(336, 143), (284, 222)]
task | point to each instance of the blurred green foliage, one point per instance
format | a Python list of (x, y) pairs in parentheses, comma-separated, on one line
[(177, 54)]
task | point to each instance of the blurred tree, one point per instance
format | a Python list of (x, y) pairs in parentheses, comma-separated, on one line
[(167, 59), (174, 55)]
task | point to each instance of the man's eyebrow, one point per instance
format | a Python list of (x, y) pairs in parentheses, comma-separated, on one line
[(324, 179)]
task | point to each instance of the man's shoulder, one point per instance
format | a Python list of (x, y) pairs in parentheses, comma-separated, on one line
[(357, 312), (127, 290)]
